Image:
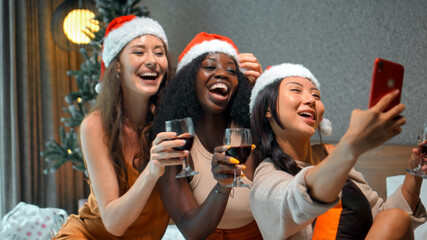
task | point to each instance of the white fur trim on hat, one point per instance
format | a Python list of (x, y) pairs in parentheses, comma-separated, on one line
[(278, 72), (207, 47), (118, 38)]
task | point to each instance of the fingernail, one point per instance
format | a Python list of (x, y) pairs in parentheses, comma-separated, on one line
[(243, 167), (243, 175), (234, 160), (228, 147), (253, 147)]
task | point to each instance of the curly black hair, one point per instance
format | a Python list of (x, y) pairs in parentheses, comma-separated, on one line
[(180, 99)]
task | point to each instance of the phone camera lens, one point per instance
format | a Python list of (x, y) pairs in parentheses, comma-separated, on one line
[(380, 66)]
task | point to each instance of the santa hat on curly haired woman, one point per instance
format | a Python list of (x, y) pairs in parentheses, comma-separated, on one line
[(277, 73), (207, 43), (120, 32)]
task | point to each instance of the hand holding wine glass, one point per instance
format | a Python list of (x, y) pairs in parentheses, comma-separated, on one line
[(240, 142), (184, 129), (422, 146)]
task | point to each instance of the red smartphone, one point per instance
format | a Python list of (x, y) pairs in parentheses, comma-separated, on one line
[(386, 77)]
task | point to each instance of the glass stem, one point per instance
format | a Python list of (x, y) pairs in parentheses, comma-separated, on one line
[(185, 162)]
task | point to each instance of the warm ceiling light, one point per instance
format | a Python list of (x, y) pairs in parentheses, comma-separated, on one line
[(72, 24), (77, 23)]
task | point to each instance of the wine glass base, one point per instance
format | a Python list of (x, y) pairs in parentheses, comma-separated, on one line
[(186, 172), (420, 174), (238, 184)]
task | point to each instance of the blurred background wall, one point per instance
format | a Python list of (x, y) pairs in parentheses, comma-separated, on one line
[(337, 40)]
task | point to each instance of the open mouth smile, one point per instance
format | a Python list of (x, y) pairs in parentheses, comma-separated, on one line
[(149, 75), (219, 88), (307, 115)]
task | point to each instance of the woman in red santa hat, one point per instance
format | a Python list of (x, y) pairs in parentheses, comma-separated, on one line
[(304, 191), (209, 87), (122, 169)]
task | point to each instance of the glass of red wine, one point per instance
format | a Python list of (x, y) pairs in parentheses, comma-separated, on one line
[(240, 141), (422, 145), (184, 129)]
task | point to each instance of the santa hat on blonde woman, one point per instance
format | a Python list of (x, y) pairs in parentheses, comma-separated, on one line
[(207, 43), (277, 73), (120, 32)]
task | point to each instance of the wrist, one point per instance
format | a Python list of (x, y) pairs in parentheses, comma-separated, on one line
[(221, 189), (411, 193), (153, 174), (348, 148)]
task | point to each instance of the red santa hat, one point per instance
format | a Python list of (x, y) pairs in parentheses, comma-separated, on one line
[(277, 73), (207, 43), (121, 31)]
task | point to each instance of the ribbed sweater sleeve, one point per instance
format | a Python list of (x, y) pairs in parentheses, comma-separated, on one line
[(281, 204)]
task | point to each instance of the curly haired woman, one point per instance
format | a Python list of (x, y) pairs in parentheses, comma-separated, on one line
[(210, 88)]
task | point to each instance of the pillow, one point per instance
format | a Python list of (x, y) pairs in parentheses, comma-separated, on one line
[(391, 185), (28, 221)]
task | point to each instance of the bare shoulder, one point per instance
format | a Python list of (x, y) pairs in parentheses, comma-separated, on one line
[(92, 125), (91, 130), (92, 120)]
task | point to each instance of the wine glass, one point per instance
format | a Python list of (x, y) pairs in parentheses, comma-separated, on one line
[(240, 141), (184, 129), (422, 145)]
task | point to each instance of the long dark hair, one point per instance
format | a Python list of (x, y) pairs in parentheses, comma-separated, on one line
[(110, 104), (262, 131), (180, 99)]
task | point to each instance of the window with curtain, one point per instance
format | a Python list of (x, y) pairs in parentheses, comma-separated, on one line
[(33, 84)]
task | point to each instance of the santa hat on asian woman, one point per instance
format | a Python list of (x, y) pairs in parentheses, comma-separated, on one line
[(207, 43), (120, 32), (277, 73)]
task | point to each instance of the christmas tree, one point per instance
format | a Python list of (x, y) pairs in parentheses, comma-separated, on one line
[(79, 102)]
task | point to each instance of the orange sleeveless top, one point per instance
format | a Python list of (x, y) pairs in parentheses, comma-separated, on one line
[(151, 223)]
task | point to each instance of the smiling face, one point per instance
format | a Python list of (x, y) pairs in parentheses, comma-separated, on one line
[(299, 108), (216, 82), (142, 66)]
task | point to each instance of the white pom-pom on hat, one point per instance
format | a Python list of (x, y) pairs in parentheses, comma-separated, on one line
[(98, 87), (325, 127)]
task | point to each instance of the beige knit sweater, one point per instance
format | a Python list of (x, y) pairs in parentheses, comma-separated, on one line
[(283, 208)]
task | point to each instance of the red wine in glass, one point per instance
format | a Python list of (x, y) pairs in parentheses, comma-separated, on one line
[(422, 146), (240, 142), (188, 143), (423, 150), (184, 128), (240, 152)]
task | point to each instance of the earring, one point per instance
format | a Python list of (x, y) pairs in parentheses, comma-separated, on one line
[(325, 127)]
